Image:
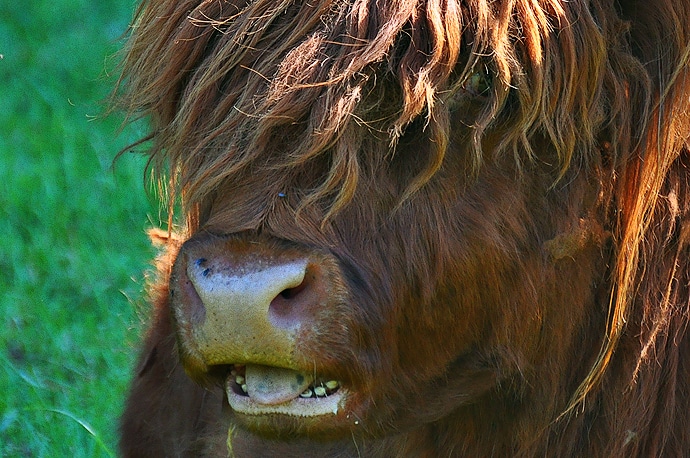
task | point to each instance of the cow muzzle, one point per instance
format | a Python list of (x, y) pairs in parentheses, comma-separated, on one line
[(243, 310)]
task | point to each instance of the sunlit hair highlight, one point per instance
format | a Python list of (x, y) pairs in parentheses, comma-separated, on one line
[(232, 85)]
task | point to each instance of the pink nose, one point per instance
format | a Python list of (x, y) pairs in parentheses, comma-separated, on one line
[(236, 302)]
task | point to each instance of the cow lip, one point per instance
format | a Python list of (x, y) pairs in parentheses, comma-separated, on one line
[(300, 406)]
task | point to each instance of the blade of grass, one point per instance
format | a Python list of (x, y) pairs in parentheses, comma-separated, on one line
[(87, 427)]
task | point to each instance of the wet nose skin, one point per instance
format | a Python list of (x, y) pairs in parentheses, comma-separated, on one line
[(235, 306)]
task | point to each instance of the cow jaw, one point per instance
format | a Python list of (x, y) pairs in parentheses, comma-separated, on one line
[(261, 390)]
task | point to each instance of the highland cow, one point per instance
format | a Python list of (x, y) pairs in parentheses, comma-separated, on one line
[(416, 228)]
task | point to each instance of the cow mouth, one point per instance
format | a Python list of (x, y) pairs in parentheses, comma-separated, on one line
[(259, 390)]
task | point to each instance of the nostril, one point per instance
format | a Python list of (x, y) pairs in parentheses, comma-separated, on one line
[(186, 305), (291, 293), (292, 305)]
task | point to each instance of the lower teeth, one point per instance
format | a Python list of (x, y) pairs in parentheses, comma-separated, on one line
[(321, 391)]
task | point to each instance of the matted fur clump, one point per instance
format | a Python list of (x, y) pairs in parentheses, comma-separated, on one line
[(493, 198)]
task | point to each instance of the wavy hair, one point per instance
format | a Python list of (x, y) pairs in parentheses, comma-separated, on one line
[(226, 84)]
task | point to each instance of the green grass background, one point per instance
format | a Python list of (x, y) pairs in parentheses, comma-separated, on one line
[(73, 248)]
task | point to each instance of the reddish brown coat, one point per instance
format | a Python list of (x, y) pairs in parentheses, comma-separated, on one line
[(492, 202)]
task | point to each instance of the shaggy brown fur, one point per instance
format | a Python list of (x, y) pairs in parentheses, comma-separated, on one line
[(505, 187)]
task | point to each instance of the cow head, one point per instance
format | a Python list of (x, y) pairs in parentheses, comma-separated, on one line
[(414, 225)]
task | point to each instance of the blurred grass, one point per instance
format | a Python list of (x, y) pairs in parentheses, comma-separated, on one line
[(72, 243)]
